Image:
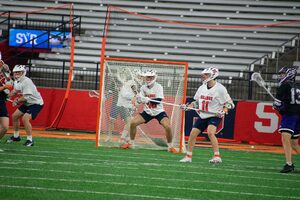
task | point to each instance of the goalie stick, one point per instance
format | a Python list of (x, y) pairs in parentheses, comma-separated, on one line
[(260, 81)]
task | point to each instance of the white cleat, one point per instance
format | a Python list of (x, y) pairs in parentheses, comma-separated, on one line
[(215, 160), (186, 160)]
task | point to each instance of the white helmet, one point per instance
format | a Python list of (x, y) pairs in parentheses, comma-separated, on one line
[(214, 73), (19, 68), (149, 72), (137, 76)]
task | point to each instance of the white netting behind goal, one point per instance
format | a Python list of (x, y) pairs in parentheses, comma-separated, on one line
[(117, 109)]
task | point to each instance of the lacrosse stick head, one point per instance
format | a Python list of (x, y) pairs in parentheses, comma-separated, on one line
[(124, 74), (1, 63), (137, 75), (258, 79), (287, 74)]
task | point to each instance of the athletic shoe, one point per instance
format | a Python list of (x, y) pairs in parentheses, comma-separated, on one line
[(28, 143), (13, 139), (287, 168), (215, 160), (172, 150), (126, 146), (186, 159)]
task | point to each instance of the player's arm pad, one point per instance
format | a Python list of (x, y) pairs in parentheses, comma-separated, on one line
[(156, 99)]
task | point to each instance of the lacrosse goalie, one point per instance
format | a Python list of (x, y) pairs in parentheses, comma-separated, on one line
[(287, 102), (5, 88), (213, 97), (152, 110), (127, 92), (30, 103)]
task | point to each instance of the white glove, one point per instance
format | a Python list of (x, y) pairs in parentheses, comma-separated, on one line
[(141, 99), (145, 100), (221, 113), (184, 107)]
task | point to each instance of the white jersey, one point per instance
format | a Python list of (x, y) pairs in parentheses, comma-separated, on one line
[(126, 94), (212, 99), (156, 91), (29, 91)]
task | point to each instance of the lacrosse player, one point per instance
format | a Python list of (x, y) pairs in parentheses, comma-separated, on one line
[(30, 103), (288, 104), (127, 92), (5, 87), (152, 110), (131, 89), (213, 97), (114, 111)]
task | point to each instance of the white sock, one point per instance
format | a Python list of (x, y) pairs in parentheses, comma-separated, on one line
[(29, 137), (289, 163), (124, 134), (169, 145), (131, 142), (189, 153), (217, 153), (16, 134)]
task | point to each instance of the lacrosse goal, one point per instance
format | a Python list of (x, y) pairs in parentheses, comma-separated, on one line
[(114, 116)]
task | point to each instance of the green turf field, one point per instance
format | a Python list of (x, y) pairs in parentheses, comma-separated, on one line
[(74, 169)]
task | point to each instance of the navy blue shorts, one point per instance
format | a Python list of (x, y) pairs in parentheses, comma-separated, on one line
[(3, 109), (202, 124), (33, 110), (291, 124), (158, 117)]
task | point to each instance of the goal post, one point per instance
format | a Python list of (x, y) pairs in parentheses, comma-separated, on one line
[(115, 114)]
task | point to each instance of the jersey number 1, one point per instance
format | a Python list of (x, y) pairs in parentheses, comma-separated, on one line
[(205, 105)]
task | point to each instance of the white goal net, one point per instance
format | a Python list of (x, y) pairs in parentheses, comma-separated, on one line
[(117, 110)]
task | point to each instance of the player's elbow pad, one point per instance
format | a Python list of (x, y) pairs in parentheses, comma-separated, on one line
[(229, 105)]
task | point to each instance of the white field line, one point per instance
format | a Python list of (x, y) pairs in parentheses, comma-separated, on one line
[(146, 157), (277, 156), (153, 186), (149, 177), (90, 192), (92, 163), (126, 164), (110, 164)]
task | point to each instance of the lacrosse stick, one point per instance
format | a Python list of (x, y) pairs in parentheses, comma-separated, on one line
[(4, 69), (260, 81), (176, 105)]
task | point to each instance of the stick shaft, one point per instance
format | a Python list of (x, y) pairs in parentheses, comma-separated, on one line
[(176, 105)]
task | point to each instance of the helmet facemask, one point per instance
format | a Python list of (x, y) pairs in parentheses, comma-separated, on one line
[(19, 72), (150, 76), (212, 74)]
